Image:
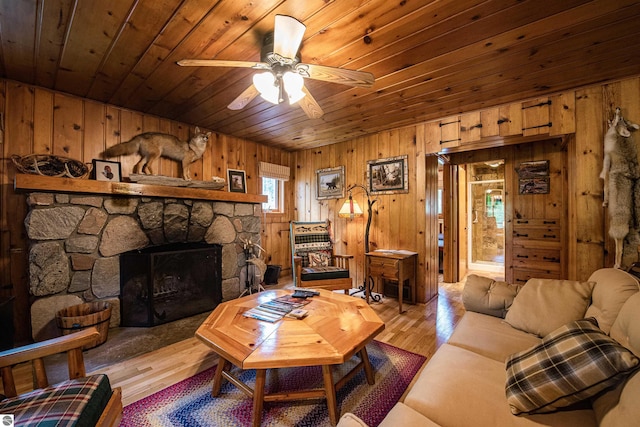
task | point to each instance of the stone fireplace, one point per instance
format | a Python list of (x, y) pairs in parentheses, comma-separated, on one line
[(76, 241)]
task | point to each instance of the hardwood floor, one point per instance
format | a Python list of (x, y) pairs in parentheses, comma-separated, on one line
[(421, 329)]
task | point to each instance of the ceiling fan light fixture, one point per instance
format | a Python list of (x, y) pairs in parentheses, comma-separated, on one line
[(266, 85), (293, 83)]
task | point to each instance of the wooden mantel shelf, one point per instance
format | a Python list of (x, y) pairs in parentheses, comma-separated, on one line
[(26, 182)]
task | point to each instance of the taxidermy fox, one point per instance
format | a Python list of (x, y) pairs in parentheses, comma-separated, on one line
[(151, 145)]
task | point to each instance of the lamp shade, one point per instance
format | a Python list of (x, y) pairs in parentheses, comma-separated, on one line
[(350, 209), (293, 83), (266, 85)]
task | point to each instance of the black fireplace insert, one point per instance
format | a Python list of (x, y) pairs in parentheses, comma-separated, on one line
[(165, 283)]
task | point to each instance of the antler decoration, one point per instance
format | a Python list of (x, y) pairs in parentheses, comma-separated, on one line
[(250, 246)]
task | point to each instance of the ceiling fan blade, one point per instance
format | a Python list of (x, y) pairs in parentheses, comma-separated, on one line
[(310, 105), (244, 98), (222, 63), (336, 75), (287, 36)]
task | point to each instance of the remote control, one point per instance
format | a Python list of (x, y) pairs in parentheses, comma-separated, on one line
[(298, 313)]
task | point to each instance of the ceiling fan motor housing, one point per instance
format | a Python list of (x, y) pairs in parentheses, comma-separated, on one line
[(270, 57)]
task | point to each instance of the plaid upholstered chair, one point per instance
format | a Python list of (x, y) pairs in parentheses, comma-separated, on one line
[(81, 400), (315, 263)]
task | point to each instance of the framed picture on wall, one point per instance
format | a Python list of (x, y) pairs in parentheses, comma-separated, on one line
[(237, 181), (533, 177), (387, 176), (104, 170), (330, 183)]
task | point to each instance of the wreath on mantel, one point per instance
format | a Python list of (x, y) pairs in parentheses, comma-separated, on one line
[(50, 165)]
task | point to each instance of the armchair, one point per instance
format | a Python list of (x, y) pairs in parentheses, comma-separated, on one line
[(87, 400), (314, 261)]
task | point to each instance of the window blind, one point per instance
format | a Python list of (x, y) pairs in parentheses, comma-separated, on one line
[(271, 170)]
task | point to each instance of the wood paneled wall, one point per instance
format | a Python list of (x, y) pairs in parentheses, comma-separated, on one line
[(399, 220), (405, 220), (37, 120)]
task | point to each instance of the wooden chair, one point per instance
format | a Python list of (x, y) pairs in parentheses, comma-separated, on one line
[(315, 263), (105, 404)]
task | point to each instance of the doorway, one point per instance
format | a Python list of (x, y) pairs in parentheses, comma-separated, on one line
[(485, 219)]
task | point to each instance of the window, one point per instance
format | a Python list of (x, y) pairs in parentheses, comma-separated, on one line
[(273, 178), (274, 189)]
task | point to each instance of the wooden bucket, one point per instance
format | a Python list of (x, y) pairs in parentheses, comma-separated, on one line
[(82, 316)]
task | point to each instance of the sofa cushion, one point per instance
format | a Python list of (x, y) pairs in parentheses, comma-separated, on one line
[(619, 407), (573, 363), (458, 387), (350, 420), (543, 305), (612, 288), (402, 415), (626, 328), (323, 273), (69, 403), (490, 336), (488, 296)]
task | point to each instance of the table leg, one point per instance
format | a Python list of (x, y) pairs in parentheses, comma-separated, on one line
[(368, 370), (330, 391), (217, 378), (400, 286), (258, 396)]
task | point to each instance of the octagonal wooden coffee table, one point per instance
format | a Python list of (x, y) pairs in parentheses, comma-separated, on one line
[(337, 328)]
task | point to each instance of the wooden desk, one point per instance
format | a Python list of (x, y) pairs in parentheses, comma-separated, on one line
[(398, 266), (337, 328)]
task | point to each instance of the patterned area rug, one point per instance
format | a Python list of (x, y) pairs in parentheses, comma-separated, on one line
[(189, 403)]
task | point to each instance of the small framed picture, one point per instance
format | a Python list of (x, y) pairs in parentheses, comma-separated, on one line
[(388, 176), (533, 177), (104, 170), (330, 183), (237, 181)]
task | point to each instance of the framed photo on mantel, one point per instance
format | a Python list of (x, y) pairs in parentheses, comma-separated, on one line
[(237, 181), (104, 170)]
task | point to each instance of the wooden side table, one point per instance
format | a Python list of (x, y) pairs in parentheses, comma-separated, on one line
[(395, 265)]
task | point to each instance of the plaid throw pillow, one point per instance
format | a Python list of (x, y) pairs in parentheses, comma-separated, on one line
[(572, 363)]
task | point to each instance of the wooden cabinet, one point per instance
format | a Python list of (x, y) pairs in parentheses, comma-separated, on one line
[(510, 120), (562, 113), (537, 249), (449, 132), (553, 116), (394, 266), (535, 117), (489, 121), (470, 127)]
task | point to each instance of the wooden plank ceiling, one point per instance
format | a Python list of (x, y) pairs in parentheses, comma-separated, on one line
[(430, 59)]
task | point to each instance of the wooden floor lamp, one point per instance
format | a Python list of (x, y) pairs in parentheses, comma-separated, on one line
[(351, 209)]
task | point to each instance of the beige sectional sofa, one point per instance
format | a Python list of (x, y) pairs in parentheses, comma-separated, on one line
[(464, 383)]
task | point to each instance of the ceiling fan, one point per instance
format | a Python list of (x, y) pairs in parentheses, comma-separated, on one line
[(283, 76)]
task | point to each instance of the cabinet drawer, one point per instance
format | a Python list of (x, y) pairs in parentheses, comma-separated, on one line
[(387, 268), (537, 259), (538, 255), (520, 276), (551, 234), (535, 222), (391, 264), (385, 273)]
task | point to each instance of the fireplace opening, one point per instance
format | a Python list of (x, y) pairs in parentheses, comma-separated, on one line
[(165, 283)]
